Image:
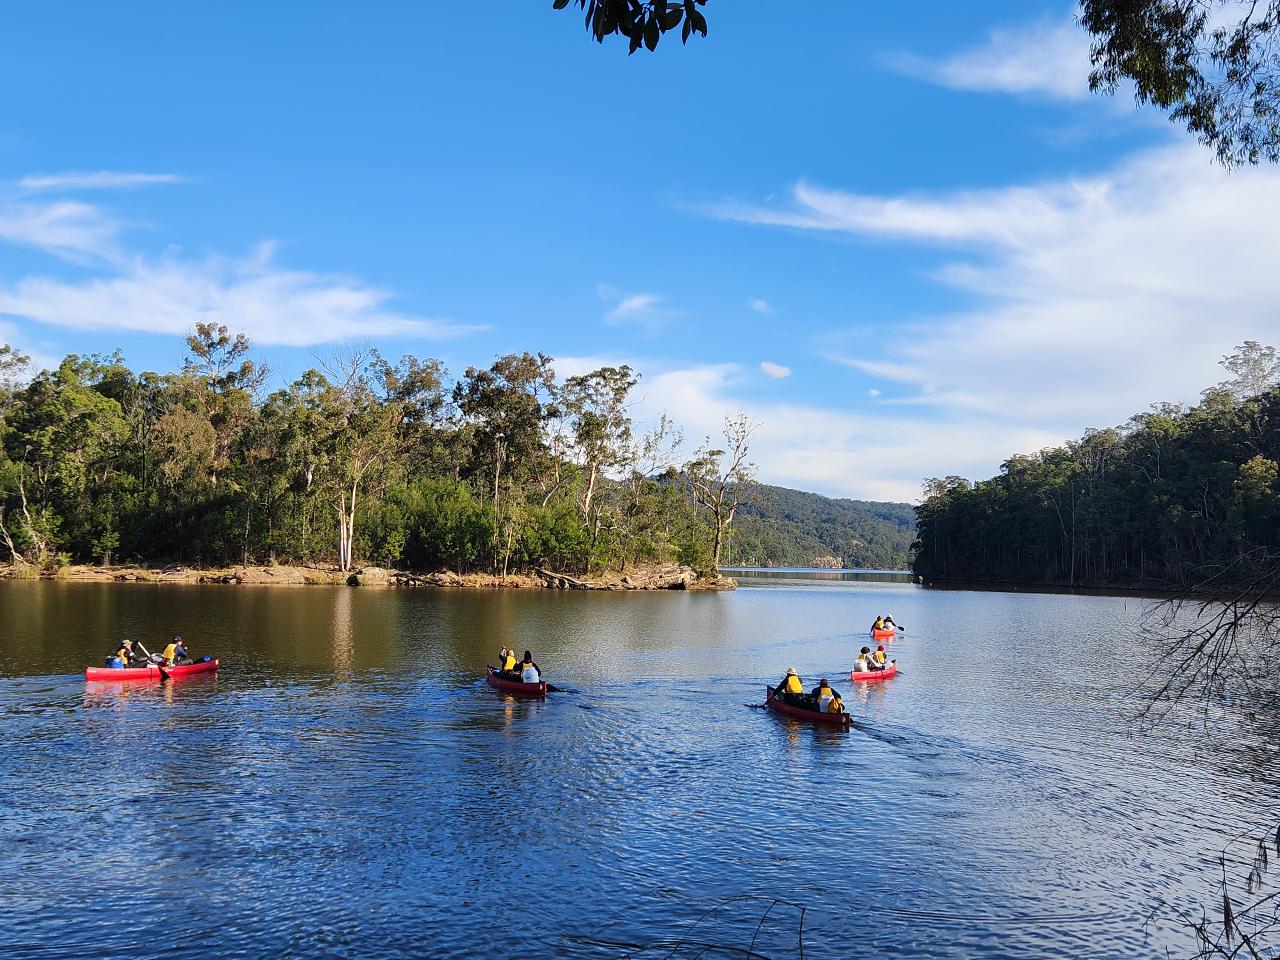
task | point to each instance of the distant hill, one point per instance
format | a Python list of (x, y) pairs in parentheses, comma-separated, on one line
[(791, 528)]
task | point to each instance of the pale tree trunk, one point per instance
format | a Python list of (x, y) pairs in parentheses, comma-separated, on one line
[(347, 527), (590, 492), (15, 558), (37, 541)]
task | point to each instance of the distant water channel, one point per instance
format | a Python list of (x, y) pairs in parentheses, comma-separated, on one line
[(347, 786)]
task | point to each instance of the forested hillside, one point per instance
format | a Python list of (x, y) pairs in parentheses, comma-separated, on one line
[(1174, 497), (782, 527)]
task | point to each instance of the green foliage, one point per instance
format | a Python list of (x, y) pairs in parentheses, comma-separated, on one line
[(642, 22), (1166, 499), (361, 460), (1217, 77), (446, 525)]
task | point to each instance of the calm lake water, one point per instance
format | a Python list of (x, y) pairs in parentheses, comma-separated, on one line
[(347, 786)]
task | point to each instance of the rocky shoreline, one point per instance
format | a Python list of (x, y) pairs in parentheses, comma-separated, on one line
[(665, 577)]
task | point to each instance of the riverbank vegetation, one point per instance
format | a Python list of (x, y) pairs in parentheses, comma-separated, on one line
[(1175, 497), (504, 469)]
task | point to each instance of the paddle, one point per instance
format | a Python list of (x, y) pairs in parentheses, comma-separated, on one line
[(164, 674)]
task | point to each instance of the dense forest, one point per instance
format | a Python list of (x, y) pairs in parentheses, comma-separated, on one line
[(1173, 498), (363, 461)]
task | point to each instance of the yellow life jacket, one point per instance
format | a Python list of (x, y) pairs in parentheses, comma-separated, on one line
[(510, 662), (169, 651), (794, 685), (123, 654), (879, 624), (835, 706), (879, 657)]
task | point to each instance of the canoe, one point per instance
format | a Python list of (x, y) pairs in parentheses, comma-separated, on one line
[(538, 689), (800, 713), (150, 672), (890, 671), (884, 634)]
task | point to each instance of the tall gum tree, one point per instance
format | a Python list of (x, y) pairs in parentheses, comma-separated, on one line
[(369, 409), (596, 403), (508, 405), (720, 479)]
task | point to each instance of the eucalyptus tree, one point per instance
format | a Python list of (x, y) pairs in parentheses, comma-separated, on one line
[(14, 369), (61, 439), (596, 404), (368, 410), (719, 479), (1254, 369), (508, 405), (223, 383)]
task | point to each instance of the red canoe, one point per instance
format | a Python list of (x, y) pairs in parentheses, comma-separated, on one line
[(884, 634), (150, 672), (538, 689), (813, 716), (890, 671)]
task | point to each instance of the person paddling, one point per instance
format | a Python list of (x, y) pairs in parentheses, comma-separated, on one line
[(529, 671), (864, 661), (175, 653), (880, 659), (823, 696), (791, 688), (507, 664), (878, 625)]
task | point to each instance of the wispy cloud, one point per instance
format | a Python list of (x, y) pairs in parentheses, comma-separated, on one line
[(67, 229), (1047, 59), (775, 370), (648, 311), (125, 289), (272, 304), (95, 180), (760, 306), (874, 455), (1092, 297)]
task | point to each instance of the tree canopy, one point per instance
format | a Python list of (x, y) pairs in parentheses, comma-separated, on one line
[(1174, 498), (1214, 65)]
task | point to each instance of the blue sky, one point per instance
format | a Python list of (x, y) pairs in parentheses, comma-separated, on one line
[(908, 246)]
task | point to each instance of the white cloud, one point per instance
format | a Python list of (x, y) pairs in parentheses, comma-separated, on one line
[(73, 231), (1092, 298), (873, 392), (95, 180), (272, 304), (1043, 59), (648, 311), (760, 306), (126, 290), (880, 456), (775, 370)]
